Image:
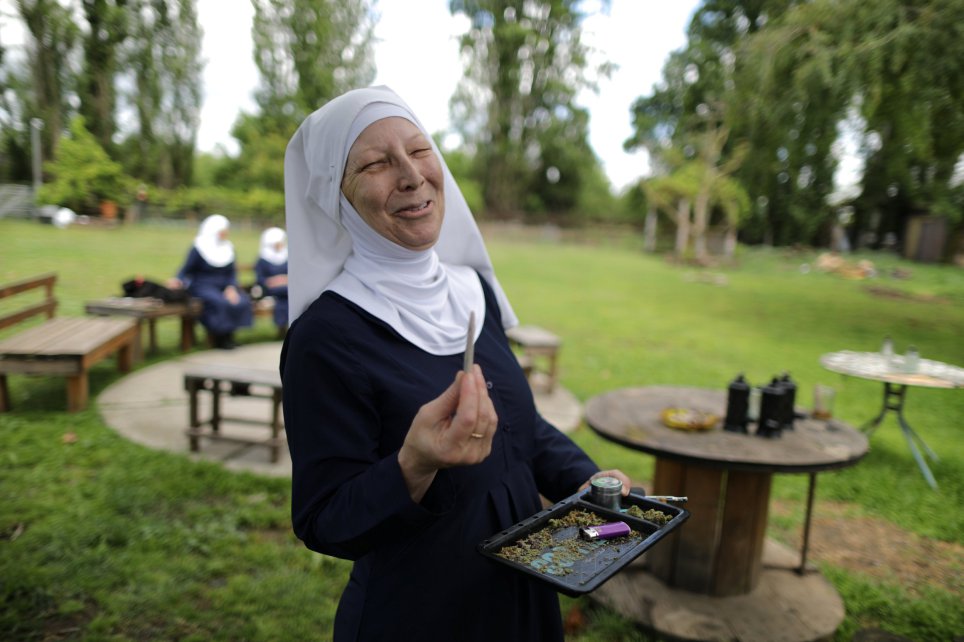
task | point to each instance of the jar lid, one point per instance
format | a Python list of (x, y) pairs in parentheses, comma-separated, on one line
[(607, 483)]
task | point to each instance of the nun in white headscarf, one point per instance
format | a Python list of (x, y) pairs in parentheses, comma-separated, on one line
[(209, 274), (271, 272), (402, 462)]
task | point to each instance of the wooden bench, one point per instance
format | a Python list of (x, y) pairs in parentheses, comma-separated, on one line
[(63, 347), (537, 344), (220, 379), (150, 310)]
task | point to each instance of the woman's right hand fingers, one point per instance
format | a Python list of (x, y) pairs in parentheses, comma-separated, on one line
[(457, 427)]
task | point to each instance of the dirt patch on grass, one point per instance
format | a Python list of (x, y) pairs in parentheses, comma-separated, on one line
[(894, 293), (879, 549)]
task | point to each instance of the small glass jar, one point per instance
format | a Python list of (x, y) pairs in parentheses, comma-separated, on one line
[(911, 359), (887, 348)]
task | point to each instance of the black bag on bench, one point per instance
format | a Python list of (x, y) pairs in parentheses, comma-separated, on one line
[(142, 288)]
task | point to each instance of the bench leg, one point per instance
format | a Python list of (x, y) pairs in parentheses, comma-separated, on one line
[(4, 394), (216, 406), (77, 392), (193, 386), (129, 352), (553, 372), (152, 335), (138, 344), (275, 425), (187, 333)]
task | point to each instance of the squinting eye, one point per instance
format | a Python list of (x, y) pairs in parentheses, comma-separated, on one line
[(373, 164), (422, 152)]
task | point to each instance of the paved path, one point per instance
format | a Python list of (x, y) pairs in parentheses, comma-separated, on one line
[(149, 407)]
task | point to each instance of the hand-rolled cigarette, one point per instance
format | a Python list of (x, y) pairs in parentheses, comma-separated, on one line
[(470, 344)]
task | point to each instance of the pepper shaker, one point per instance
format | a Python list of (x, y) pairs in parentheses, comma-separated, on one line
[(789, 401), (771, 410)]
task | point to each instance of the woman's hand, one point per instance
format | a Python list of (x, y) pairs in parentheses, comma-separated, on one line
[(454, 429), (231, 294), (618, 474), (277, 281), (174, 283)]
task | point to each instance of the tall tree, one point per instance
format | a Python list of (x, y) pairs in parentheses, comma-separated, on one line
[(699, 92), (526, 64), (792, 73), (106, 29), (163, 59), (52, 38), (308, 52)]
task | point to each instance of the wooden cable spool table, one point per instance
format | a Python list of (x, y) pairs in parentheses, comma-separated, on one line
[(727, 477)]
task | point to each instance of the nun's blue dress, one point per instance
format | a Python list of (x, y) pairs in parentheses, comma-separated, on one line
[(203, 280), (352, 386), (264, 270)]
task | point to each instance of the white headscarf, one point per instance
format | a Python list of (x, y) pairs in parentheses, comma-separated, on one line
[(269, 240), (216, 251), (426, 296)]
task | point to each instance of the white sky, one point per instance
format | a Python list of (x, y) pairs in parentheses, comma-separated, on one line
[(416, 54)]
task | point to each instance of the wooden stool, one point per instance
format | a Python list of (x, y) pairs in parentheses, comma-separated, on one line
[(239, 382), (536, 342)]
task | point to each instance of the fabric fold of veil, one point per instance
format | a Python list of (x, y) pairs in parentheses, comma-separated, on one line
[(380, 278)]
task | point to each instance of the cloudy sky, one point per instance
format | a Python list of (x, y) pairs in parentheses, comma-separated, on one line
[(416, 55)]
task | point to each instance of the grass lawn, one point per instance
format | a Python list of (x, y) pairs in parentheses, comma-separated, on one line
[(102, 539)]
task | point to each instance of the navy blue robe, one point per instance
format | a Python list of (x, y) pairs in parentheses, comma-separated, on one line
[(352, 386), (263, 270), (207, 282)]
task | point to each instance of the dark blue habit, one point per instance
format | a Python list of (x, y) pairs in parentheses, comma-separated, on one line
[(264, 270), (352, 386), (207, 282)]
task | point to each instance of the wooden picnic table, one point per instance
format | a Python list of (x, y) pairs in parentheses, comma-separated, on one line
[(150, 310)]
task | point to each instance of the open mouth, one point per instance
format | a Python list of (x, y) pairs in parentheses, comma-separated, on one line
[(416, 209)]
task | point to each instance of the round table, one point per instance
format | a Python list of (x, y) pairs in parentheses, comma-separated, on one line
[(893, 372), (726, 475)]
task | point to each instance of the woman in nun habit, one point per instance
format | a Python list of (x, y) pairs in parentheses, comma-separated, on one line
[(271, 273), (402, 462), (209, 274)]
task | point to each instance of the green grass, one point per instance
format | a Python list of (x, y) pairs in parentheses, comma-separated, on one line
[(102, 539)]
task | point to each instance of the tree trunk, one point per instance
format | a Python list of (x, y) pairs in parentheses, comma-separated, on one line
[(700, 212), (649, 230), (682, 226), (729, 243)]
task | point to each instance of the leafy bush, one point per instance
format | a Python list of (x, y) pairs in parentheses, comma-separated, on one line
[(83, 175)]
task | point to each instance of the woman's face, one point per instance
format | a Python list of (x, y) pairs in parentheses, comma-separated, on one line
[(394, 180)]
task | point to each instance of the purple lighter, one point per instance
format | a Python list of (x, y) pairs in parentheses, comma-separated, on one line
[(605, 531)]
